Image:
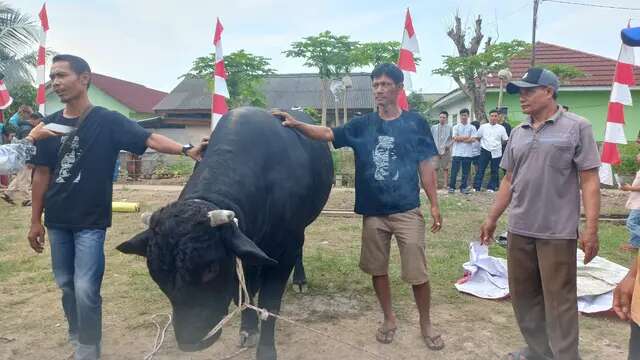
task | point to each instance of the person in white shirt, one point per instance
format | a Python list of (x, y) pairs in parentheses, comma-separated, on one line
[(491, 137), (442, 136), (463, 137)]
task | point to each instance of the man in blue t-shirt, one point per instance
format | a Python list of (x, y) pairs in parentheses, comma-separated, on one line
[(393, 151), (72, 183)]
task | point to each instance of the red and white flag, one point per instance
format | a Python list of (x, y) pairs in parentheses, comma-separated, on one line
[(41, 97), (620, 96), (5, 98), (220, 92), (406, 61)]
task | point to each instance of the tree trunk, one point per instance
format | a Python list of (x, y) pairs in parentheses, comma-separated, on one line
[(323, 84)]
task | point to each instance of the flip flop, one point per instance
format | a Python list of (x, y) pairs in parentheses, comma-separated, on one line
[(385, 336), (431, 341), (6, 198)]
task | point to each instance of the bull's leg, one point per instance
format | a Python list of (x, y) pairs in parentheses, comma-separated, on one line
[(274, 282), (249, 331), (299, 276)]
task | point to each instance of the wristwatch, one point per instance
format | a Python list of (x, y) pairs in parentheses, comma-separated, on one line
[(186, 148)]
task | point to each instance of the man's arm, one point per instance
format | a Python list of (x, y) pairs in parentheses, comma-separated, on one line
[(429, 184), (627, 187), (503, 199), (590, 186), (41, 175), (163, 144), (624, 292), (315, 132)]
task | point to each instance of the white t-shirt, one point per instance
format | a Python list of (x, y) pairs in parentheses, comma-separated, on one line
[(463, 149), (491, 138)]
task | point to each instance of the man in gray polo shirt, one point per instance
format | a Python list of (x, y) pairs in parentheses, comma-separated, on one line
[(548, 159)]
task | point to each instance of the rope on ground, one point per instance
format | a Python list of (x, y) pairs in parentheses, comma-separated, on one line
[(263, 314), (160, 332)]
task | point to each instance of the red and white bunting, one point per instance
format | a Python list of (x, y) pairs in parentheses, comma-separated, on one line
[(406, 61), (620, 96), (41, 97), (220, 92), (5, 98)]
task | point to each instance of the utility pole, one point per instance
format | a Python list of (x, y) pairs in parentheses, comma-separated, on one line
[(533, 37)]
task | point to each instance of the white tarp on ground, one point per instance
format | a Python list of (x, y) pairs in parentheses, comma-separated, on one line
[(486, 277)]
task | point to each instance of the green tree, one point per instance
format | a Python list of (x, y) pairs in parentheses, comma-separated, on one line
[(565, 72), (245, 74), (22, 94), (18, 37), (419, 104), (374, 53), (471, 67), (330, 54)]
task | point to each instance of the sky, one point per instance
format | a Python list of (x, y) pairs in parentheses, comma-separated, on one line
[(154, 42)]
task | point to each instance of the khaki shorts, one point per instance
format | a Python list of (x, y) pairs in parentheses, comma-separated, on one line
[(409, 230), (442, 162)]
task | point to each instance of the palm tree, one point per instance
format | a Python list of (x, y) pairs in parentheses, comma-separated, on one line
[(19, 37)]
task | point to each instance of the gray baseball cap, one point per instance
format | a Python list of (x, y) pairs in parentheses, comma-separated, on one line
[(532, 78)]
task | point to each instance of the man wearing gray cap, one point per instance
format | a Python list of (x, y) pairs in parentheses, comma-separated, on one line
[(549, 159)]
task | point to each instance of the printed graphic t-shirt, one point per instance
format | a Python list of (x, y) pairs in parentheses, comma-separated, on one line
[(387, 158), (81, 165)]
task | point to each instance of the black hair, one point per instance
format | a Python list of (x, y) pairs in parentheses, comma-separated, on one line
[(78, 65), (494, 111), (35, 115), (464, 111), (444, 112), (390, 70)]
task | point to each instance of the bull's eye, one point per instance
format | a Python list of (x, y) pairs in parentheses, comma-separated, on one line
[(210, 273)]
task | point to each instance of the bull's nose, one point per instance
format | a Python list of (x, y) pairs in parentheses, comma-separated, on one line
[(201, 345)]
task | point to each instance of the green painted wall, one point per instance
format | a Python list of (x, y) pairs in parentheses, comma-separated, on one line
[(591, 105), (97, 97)]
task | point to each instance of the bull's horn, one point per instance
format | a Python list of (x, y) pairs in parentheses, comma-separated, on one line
[(220, 217), (146, 218)]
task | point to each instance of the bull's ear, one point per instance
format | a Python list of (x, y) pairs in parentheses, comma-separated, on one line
[(137, 245), (247, 250)]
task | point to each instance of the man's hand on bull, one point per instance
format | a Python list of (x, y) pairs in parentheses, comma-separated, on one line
[(286, 118), (196, 152)]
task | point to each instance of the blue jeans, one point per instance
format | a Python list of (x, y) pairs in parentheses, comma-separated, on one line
[(456, 163), (486, 159), (77, 258), (633, 225)]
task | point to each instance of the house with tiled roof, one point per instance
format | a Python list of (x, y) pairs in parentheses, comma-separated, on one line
[(587, 96), (132, 100)]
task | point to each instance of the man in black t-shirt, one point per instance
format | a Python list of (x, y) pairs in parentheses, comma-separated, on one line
[(393, 151), (72, 184)]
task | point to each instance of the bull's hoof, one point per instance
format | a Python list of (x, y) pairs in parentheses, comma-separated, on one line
[(300, 288), (266, 353), (248, 340)]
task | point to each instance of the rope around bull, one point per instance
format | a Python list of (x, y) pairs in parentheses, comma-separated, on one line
[(263, 314)]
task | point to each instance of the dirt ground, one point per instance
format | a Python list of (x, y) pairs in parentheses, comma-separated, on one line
[(32, 325)]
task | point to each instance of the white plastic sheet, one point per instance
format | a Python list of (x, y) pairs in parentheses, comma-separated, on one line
[(487, 277)]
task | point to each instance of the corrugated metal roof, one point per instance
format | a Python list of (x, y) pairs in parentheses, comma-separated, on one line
[(281, 91)]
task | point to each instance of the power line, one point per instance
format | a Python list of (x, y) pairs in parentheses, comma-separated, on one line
[(593, 5)]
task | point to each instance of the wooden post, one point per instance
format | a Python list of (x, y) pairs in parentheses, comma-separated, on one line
[(533, 37)]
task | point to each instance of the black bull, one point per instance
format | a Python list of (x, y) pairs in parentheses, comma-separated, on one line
[(275, 182)]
